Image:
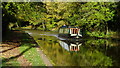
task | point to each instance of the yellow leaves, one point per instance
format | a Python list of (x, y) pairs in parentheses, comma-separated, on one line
[(30, 63), (2, 56), (49, 16), (61, 23), (43, 18), (29, 53)]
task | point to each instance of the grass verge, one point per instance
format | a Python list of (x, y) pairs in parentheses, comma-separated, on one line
[(32, 55), (12, 62), (26, 47), (29, 46)]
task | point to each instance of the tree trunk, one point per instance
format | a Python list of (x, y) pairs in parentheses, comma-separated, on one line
[(17, 25), (107, 30), (44, 27)]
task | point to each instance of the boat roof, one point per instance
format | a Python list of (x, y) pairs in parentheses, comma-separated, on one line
[(68, 27)]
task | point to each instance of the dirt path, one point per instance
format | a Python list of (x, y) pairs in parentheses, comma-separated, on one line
[(7, 51), (44, 57)]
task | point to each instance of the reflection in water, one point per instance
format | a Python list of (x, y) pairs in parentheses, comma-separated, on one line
[(70, 46), (74, 47), (90, 52)]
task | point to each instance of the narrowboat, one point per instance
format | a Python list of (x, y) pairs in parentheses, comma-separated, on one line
[(70, 32)]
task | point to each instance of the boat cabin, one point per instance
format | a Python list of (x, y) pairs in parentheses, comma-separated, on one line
[(70, 32)]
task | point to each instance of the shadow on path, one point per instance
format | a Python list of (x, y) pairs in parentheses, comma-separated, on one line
[(8, 59), (8, 49), (21, 38)]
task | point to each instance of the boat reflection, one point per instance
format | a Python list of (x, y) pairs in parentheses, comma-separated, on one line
[(70, 45)]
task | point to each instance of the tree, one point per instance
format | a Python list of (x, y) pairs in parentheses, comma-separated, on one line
[(96, 14), (47, 15)]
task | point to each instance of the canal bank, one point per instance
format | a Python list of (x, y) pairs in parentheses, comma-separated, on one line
[(21, 47)]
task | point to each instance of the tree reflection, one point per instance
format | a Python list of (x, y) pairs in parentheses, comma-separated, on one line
[(89, 54)]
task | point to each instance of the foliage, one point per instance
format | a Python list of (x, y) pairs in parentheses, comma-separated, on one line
[(97, 34), (89, 16), (95, 15)]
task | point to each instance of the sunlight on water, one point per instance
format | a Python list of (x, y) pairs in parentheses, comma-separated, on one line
[(47, 34)]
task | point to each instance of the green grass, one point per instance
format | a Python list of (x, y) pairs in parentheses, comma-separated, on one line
[(30, 52), (12, 62), (32, 55)]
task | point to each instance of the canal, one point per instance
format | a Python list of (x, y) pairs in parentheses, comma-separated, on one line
[(77, 52)]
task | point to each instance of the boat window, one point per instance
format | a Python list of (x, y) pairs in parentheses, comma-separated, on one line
[(61, 31), (66, 30), (74, 30)]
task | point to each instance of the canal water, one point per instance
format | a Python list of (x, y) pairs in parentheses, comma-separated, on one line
[(77, 52)]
